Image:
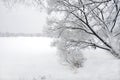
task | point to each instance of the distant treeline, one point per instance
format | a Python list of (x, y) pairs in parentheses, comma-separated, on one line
[(8, 34)]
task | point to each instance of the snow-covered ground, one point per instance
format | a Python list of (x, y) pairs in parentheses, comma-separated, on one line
[(32, 57)]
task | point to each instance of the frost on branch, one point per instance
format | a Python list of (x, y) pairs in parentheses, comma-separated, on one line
[(70, 55), (85, 23)]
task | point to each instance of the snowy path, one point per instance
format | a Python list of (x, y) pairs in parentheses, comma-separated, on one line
[(26, 58)]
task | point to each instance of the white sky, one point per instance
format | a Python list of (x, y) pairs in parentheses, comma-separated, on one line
[(21, 19)]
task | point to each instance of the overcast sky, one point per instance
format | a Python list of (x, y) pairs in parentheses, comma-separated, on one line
[(21, 19)]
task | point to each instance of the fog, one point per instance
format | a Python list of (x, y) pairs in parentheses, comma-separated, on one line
[(21, 19), (26, 58), (30, 58)]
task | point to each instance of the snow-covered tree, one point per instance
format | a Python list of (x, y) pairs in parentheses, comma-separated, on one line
[(79, 24)]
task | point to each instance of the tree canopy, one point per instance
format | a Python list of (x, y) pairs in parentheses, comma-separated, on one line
[(79, 24)]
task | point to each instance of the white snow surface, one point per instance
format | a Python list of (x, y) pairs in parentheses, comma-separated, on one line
[(30, 58)]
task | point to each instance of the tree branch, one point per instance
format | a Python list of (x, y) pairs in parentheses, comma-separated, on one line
[(106, 27), (79, 29), (90, 44), (115, 20), (115, 5), (93, 31)]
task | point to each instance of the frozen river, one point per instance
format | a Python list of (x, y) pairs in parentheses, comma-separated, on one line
[(26, 58)]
